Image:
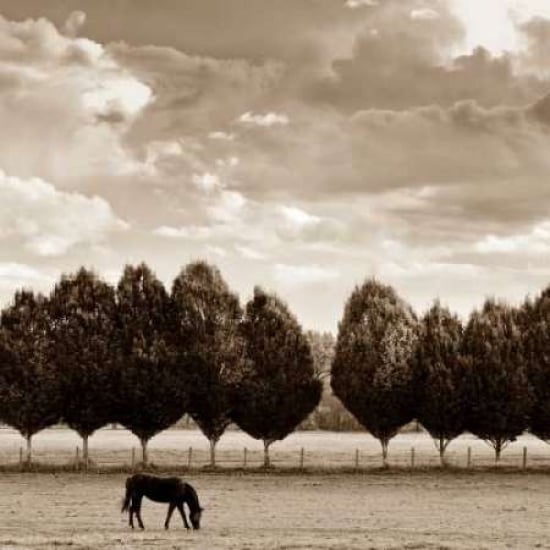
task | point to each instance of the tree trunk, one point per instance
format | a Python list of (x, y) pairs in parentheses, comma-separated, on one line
[(498, 450), (29, 450), (441, 448), (213, 452), (144, 456), (384, 441), (85, 452), (267, 462)]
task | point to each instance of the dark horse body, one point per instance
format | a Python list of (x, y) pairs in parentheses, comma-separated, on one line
[(172, 490)]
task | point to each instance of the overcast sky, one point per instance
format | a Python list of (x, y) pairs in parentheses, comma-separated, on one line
[(302, 145)]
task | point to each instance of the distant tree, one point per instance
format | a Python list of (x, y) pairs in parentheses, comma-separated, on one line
[(535, 326), (30, 389), (330, 413), (279, 387), (499, 394), (207, 320), (83, 320), (322, 346), (372, 372), (151, 391), (440, 375)]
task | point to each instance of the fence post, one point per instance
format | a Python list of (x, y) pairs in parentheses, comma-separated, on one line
[(356, 459), (412, 457), (189, 457), (21, 457), (133, 457), (244, 457), (302, 458), (524, 457), (77, 458), (469, 460)]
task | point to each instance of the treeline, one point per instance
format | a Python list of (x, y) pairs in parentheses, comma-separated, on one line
[(91, 354), (490, 377)]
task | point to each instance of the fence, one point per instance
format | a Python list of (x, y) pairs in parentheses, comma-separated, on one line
[(186, 449)]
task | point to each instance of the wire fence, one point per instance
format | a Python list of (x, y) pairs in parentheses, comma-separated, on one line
[(185, 450)]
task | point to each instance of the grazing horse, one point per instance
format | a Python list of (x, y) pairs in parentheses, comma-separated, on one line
[(161, 489)]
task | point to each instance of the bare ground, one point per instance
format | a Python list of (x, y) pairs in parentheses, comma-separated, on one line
[(432, 510)]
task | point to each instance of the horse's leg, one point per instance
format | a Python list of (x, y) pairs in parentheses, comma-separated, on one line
[(181, 509), (131, 514), (171, 507), (138, 512)]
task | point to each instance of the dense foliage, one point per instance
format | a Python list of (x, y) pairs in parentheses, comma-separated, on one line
[(440, 377), (372, 372), (279, 387), (208, 315)]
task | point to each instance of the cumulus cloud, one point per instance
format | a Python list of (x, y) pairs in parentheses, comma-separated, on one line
[(65, 103), (49, 222)]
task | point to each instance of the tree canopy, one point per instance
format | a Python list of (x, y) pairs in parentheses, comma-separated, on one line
[(499, 393), (372, 370), (279, 387), (207, 320), (84, 329), (30, 389), (151, 384), (440, 375)]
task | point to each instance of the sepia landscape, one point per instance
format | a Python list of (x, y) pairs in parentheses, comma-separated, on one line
[(274, 275)]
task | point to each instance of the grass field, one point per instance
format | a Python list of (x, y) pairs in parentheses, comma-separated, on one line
[(399, 510), (113, 448)]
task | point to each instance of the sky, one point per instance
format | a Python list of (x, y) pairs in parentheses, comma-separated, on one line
[(300, 145)]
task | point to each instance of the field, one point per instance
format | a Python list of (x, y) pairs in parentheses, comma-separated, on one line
[(396, 510)]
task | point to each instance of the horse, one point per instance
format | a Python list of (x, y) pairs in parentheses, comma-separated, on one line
[(161, 489)]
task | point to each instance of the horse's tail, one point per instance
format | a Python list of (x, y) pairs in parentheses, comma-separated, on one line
[(127, 497)]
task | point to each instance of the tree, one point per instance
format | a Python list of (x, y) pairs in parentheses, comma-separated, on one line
[(84, 325), (151, 394), (535, 326), (499, 394), (279, 387), (207, 319), (30, 390), (372, 371), (440, 377)]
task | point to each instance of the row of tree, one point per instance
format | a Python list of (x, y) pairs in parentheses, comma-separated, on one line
[(90, 354), (490, 377)]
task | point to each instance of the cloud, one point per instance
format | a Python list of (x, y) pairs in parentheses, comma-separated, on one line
[(49, 222), (74, 23), (537, 241), (65, 103), (250, 253), (298, 275), (354, 4), (266, 120)]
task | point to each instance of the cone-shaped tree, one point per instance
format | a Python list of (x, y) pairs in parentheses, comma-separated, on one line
[(30, 389), (279, 387), (207, 320), (150, 392), (372, 372), (535, 325), (440, 375), (499, 394), (83, 316)]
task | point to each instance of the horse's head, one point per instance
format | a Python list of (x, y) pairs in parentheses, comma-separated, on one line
[(195, 517)]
